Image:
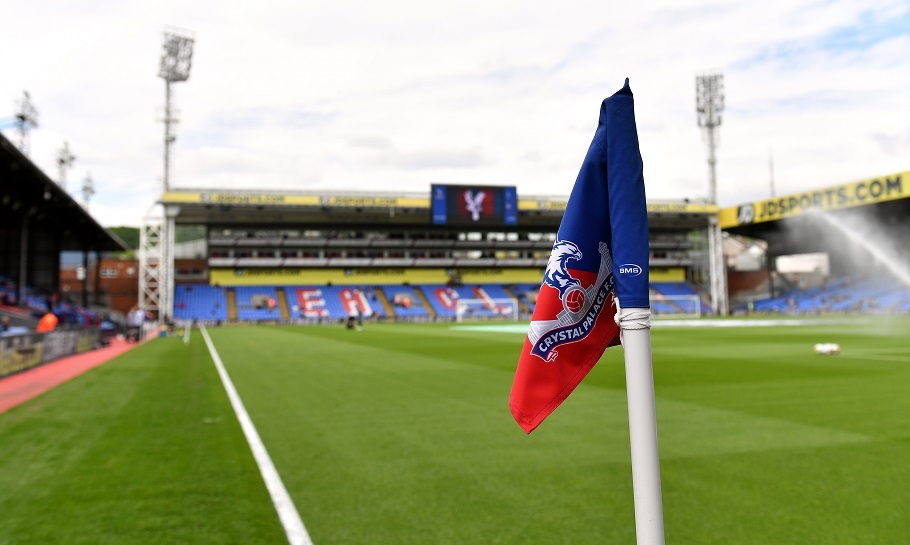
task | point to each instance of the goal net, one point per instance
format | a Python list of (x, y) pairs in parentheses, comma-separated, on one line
[(682, 306), (486, 309)]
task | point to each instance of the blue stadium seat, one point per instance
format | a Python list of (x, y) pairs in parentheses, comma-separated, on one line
[(199, 302), (332, 302), (444, 298), (405, 302), (252, 303), (673, 288)]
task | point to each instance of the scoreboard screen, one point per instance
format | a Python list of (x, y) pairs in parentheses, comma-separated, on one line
[(467, 205)]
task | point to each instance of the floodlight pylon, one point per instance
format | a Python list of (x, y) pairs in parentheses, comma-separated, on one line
[(88, 189), (176, 61), (709, 107), (26, 119), (65, 160)]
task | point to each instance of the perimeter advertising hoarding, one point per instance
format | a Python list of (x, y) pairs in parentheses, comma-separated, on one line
[(864, 192), (20, 352), (466, 205)]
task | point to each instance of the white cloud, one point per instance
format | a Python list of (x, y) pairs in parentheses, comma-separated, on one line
[(352, 95)]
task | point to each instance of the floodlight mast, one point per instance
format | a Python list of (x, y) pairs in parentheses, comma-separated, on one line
[(176, 61), (65, 160), (709, 105), (26, 119), (88, 189)]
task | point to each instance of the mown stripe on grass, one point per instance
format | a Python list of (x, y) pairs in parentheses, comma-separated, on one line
[(401, 434), (383, 446), (142, 450), (723, 431), (287, 512)]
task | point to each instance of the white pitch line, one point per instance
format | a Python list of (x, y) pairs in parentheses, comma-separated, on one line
[(290, 518)]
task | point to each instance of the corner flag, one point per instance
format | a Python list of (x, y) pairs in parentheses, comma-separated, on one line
[(601, 251)]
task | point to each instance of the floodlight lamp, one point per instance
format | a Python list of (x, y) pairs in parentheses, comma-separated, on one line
[(26, 114), (709, 99), (177, 58)]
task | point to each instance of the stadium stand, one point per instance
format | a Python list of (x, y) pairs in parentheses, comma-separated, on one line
[(407, 302), (333, 302), (445, 298), (8, 294), (667, 298), (421, 302), (411, 265), (257, 303), (875, 295), (36, 303), (200, 302), (662, 307), (673, 288), (526, 295)]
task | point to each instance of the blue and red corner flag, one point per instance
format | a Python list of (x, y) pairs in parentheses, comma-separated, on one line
[(601, 251)]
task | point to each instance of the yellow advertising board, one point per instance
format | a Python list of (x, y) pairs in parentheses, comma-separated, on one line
[(542, 204), (293, 276), (274, 199), (175, 197), (681, 208), (242, 199), (669, 274), (380, 202), (501, 276), (871, 191), (653, 208)]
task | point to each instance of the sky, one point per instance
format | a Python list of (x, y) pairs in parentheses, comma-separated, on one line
[(396, 95)]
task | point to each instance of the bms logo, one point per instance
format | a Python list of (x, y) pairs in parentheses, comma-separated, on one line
[(630, 269)]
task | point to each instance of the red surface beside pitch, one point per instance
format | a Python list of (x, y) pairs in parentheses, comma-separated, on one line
[(21, 387)]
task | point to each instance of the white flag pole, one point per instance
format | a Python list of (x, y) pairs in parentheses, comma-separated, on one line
[(635, 324)]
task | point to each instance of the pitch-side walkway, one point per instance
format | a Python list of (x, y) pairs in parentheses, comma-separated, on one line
[(21, 387)]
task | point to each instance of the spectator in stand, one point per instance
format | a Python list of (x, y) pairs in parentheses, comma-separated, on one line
[(134, 321), (47, 323), (7, 329)]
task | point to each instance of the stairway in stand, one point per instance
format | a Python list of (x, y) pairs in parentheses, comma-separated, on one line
[(232, 304)]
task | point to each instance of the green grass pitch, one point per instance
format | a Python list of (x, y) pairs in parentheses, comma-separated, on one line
[(400, 434)]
